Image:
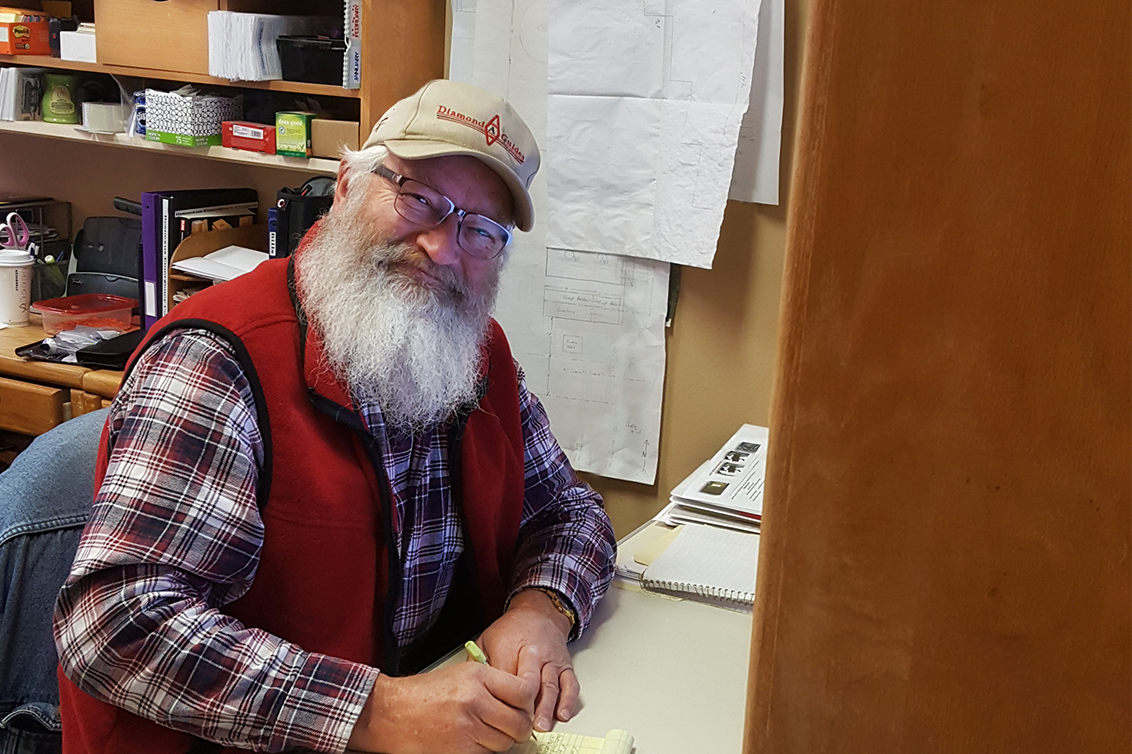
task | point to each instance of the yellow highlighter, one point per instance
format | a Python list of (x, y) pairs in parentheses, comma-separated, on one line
[(475, 652)]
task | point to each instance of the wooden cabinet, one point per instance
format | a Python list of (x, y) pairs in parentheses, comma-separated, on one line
[(171, 36), (38, 395), (31, 409)]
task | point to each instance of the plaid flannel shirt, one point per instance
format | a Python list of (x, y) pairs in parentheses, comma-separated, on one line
[(175, 534)]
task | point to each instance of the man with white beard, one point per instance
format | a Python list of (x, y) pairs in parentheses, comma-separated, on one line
[(320, 477)]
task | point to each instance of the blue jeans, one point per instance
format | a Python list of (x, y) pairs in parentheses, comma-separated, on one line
[(45, 498)]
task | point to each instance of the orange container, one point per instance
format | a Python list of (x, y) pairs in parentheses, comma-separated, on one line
[(23, 33), (100, 310)]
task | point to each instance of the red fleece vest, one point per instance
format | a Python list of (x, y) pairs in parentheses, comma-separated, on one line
[(321, 581)]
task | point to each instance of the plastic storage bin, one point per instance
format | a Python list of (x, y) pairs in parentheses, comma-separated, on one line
[(314, 60), (99, 310)]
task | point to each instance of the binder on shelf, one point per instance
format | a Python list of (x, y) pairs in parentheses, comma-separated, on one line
[(352, 58), (174, 205), (151, 256), (272, 232)]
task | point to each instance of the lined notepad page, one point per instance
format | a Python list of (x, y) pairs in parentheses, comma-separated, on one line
[(615, 742), (708, 561)]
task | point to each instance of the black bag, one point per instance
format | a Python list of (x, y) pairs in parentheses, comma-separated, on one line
[(107, 257), (295, 211)]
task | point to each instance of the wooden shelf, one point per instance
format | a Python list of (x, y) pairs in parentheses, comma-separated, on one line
[(44, 61), (74, 133)]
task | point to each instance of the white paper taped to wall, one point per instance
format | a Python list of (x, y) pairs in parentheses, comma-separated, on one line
[(587, 328)]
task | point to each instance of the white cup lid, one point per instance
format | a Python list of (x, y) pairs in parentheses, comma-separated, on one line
[(15, 258)]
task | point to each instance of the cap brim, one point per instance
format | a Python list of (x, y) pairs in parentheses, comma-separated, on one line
[(419, 149)]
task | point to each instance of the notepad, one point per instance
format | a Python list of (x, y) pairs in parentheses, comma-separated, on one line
[(708, 562), (615, 742)]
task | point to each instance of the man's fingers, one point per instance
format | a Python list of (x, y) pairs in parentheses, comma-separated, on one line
[(512, 690), (530, 662), (544, 711), (569, 695), (504, 726)]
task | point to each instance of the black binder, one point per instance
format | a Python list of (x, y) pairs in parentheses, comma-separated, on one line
[(295, 211)]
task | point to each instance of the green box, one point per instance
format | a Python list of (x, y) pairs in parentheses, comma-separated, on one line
[(183, 140), (293, 133)]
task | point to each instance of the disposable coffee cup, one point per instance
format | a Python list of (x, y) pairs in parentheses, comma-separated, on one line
[(15, 286)]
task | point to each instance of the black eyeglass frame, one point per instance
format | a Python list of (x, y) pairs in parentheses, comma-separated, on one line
[(400, 180)]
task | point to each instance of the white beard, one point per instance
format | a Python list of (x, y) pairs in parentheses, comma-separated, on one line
[(414, 351)]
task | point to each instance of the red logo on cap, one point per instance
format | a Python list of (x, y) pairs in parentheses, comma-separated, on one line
[(491, 130)]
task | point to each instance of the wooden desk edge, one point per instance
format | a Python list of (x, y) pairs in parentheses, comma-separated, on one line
[(102, 382)]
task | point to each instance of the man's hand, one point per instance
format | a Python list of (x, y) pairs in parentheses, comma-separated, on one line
[(464, 709), (529, 639)]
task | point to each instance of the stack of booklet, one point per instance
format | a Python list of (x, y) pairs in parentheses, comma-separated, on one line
[(705, 544), (727, 490)]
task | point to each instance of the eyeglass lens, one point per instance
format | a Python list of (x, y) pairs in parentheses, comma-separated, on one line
[(480, 236)]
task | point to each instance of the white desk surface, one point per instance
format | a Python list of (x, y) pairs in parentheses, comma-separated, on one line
[(671, 672)]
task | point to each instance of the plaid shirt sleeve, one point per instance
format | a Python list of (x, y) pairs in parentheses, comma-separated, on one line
[(174, 535), (566, 540)]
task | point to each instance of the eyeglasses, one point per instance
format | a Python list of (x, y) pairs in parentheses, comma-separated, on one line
[(481, 237)]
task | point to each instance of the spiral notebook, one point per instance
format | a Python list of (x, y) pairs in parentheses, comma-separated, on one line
[(710, 562)]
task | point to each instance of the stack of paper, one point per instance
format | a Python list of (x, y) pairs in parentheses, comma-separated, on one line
[(615, 742), (241, 46), (727, 490), (225, 264)]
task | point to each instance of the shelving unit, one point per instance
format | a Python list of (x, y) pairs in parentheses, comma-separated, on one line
[(403, 47), (254, 159), (298, 87)]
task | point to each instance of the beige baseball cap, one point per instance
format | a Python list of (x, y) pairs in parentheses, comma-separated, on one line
[(448, 117)]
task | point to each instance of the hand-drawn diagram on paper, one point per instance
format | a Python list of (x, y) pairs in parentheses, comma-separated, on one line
[(587, 328)]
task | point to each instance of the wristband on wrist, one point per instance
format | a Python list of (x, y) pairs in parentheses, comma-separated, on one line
[(559, 604)]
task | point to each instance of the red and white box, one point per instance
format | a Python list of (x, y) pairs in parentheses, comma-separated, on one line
[(253, 137)]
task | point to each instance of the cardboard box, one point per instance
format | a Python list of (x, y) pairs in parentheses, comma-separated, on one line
[(78, 46), (330, 136), (24, 33), (293, 133), (254, 137), (190, 120)]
